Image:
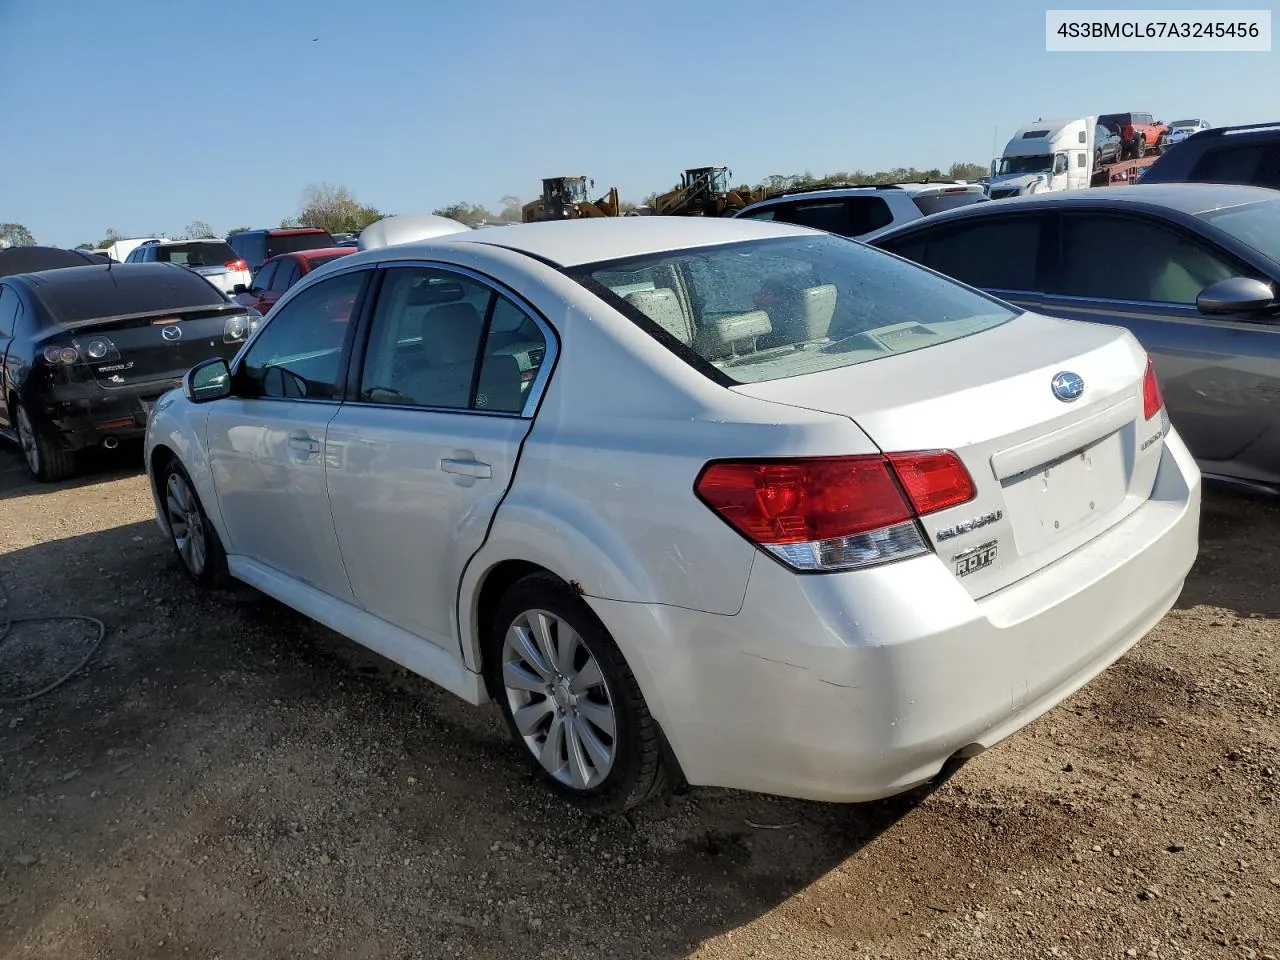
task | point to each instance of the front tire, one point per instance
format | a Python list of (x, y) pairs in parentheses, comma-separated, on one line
[(570, 701), (193, 537), (47, 463)]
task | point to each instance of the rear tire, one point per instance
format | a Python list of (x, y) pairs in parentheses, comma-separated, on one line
[(47, 463), (193, 537), (570, 701)]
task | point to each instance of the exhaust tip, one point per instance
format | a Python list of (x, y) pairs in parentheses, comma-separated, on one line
[(110, 443)]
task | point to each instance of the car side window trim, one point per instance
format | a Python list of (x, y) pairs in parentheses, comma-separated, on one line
[(358, 311), (536, 389)]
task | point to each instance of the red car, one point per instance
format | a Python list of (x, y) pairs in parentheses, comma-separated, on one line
[(280, 273)]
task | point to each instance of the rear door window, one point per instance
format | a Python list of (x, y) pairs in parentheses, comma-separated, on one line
[(1257, 164), (10, 308), (1160, 264), (993, 254)]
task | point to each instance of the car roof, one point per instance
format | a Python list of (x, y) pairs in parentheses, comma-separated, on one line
[(570, 243), (1186, 198), (169, 243)]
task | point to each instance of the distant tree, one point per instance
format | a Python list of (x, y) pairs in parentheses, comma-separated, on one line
[(334, 209), (512, 208), (112, 236), (625, 207), (234, 230), (85, 246), (967, 171), (472, 214), (198, 230), (15, 235)]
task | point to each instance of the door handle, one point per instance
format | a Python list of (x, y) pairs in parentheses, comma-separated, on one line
[(304, 443), (467, 468)]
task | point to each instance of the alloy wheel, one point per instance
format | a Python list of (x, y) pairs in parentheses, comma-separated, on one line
[(559, 699), (185, 523)]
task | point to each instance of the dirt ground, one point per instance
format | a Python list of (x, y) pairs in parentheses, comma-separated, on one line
[(227, 780)]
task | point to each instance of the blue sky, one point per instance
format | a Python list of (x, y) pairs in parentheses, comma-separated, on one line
[(143, 115)]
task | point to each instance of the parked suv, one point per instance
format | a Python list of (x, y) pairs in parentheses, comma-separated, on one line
[(1138, 132), (1247, 155), (857, 211), (214, 260), (255, 247)]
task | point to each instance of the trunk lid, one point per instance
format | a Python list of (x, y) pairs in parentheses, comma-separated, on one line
[(163, 347), (1050, 474)]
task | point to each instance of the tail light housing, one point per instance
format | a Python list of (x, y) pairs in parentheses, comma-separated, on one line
[(1152, 399), (238, 326), (835, 513), (236, 265)]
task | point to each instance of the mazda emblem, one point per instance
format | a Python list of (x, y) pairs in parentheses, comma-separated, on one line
[(171, 333), (1067, 386)]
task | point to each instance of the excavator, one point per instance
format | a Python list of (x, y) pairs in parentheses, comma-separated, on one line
[(566, 198), (704, 192)]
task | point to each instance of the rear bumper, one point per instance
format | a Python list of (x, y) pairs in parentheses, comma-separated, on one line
[(74, 424), (851, 687)]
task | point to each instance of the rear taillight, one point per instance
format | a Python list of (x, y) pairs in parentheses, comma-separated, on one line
[(237, 327), (61, 355), (1152, 400), (835, 513), (236, 265)]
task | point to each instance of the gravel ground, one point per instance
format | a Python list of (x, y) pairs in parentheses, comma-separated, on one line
[(228, 780)]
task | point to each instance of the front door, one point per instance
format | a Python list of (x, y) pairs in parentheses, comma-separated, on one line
[(426, 450), (267, 442)]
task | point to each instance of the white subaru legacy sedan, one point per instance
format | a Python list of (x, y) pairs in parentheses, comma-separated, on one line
[(729, 502)]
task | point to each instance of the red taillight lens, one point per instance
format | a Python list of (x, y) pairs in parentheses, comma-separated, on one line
[(934, 481), (1152, 399), (835, 513), (236, 265), (801, 501)]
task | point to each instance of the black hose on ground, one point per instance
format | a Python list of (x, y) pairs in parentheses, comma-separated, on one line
[(6, 626)]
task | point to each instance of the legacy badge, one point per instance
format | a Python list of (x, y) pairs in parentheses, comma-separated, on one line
[(946, 533)]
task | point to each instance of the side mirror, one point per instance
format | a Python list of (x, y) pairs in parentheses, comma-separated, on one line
[(240, 288), (207, 380), (1235, 295)]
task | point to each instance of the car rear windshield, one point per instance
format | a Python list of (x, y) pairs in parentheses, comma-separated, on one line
[(771, 309), (203, 253), (937, 202), (1256, 225), (93, 293), (318, 261), (278, 243)]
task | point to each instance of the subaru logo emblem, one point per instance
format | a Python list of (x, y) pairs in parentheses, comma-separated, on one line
[(1067, 386), (175, 333)]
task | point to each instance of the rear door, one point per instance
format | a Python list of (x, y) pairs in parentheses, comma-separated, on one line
[(10, 313), (422, 455)]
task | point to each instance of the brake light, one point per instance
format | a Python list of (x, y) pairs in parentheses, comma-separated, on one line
[(236, 265), (59, 354), (1152, 399), (835, 513)]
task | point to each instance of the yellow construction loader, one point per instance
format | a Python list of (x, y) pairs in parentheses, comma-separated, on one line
[(566, 198), (705, 192)]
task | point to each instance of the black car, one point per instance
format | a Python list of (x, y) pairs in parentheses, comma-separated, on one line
[(87, 350), (255, 247), (1248, 155)]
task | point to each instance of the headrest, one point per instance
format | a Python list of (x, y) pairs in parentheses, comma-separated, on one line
[(452, 333), (428, 294)]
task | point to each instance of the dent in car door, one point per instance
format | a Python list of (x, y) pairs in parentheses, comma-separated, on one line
[(422, 459), (1220, 375), (266, 443)]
